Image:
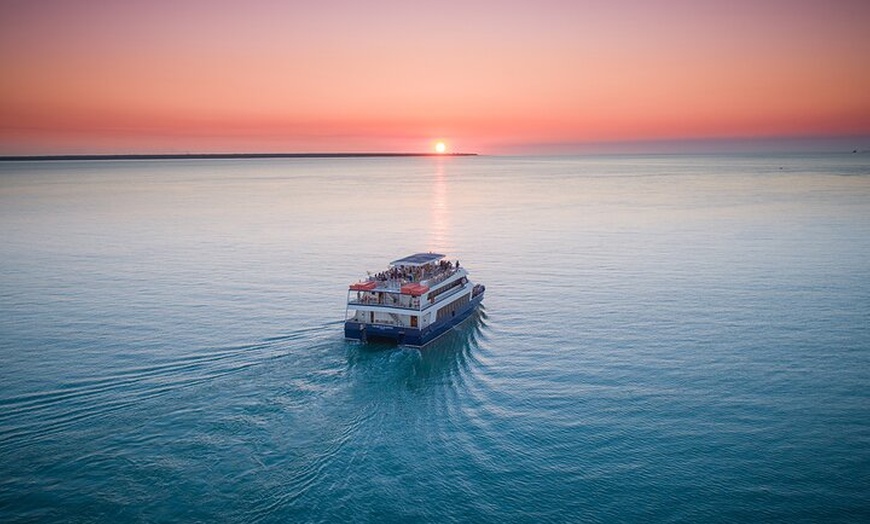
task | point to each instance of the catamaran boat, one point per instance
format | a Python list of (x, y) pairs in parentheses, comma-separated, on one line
[(416, 300)]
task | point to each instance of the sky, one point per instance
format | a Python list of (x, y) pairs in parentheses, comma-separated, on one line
[(493, 77)]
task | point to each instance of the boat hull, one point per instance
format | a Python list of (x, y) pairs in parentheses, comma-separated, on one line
[(409, 336)]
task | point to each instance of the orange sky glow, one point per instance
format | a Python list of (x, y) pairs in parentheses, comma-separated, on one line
[(80, 76)]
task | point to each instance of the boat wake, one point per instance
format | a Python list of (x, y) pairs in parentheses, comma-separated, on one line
[(28, 418)]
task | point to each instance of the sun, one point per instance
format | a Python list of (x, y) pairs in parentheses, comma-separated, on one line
[(440, 147)]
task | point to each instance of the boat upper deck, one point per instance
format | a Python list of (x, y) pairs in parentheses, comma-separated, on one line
[(426, 270)]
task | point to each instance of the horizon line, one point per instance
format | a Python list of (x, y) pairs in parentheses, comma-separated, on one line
[(218, 156)]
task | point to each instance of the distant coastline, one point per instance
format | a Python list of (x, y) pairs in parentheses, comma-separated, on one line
[(222, 156)]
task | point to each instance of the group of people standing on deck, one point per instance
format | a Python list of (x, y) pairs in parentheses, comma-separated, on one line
[(415, 273)]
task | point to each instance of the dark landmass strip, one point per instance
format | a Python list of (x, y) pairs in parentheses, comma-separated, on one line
[(201, 156)]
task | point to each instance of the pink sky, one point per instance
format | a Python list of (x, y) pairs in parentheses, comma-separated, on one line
[(84, 76)]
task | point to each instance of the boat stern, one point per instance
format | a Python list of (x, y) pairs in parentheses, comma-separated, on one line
[(366, 332)]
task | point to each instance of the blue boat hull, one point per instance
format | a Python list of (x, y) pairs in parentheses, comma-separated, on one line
[(409, 336)]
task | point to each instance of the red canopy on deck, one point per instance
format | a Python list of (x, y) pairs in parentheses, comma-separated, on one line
[(364, 286), (415, 289)]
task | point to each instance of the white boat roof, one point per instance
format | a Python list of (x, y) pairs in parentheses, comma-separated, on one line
[(417, 259)]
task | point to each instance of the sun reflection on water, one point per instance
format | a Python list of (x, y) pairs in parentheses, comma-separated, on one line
[(440, 232)]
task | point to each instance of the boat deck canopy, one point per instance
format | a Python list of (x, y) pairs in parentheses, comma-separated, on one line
[(418, 259), (414, 289)]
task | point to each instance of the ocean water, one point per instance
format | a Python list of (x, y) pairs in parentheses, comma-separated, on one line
[(664, 339)]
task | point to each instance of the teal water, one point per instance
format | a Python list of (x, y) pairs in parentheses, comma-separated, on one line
[(664, 339)]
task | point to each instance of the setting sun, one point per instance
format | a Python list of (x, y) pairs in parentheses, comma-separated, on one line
[(440, 147)]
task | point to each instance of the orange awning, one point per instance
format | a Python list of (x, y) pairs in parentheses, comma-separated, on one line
[(414, 290)]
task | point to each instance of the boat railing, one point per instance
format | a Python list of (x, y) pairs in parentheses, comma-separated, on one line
[(436, 279), (385, 300), (396, 284), (374, 302)]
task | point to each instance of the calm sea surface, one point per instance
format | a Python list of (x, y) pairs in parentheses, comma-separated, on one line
[(664, 339)]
